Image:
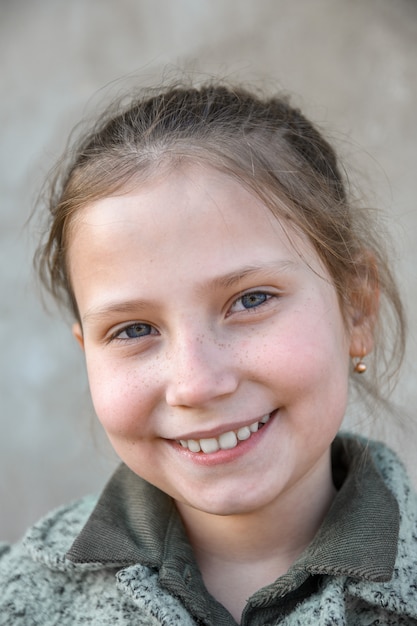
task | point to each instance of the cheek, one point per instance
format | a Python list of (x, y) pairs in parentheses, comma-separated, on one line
[(119, 399), (307, 353)]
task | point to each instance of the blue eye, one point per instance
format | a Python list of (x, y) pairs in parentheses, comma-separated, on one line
[(252, 300), (135, 331)]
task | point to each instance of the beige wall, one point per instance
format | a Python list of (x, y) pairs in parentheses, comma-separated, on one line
[(350, 63)]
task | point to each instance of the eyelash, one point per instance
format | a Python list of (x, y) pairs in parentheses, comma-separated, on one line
[(251, 294)]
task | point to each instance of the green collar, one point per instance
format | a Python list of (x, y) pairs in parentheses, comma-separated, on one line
[(134, 522)]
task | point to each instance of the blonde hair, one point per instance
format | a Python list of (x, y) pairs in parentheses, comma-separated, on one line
[(265, 143)]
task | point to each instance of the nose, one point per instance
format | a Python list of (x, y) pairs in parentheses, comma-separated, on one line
[(201, 370)]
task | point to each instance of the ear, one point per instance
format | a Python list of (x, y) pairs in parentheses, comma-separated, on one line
[(364, 306), (78, 334)]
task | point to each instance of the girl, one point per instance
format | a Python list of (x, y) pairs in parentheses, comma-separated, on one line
[(224, 289)]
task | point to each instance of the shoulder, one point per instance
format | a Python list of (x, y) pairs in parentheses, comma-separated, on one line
[(49, 539), (37, 581), (396, 478), (398, 594), (387, 462), (41, 587)]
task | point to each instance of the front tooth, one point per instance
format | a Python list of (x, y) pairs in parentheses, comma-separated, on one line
[(243, 433), (254, 427), (227, 441), (193, 445), (209, 445)]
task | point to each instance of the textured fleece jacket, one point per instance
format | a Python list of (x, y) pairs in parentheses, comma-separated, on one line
[(117, 562)]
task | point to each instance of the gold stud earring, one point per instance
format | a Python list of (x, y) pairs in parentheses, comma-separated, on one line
[(360, 366)]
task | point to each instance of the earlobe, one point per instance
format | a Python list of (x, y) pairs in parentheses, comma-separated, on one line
[(364, 307), (363, 323), (361, 341), (78, 334)]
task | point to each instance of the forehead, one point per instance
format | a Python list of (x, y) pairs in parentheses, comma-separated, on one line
[(195, 210)]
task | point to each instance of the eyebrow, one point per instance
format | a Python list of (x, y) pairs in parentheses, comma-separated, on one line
[(232, 278), (226, 281), (105, 310)]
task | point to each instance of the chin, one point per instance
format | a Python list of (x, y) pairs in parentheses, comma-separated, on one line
[(228, 508)]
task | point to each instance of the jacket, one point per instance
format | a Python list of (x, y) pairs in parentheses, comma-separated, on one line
[(87, 563)]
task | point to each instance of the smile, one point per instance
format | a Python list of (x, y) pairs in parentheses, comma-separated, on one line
[(225, 441)]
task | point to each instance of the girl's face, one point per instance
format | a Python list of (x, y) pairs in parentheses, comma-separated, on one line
[(216, 350)]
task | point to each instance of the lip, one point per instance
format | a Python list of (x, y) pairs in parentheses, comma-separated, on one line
[(225, 456)]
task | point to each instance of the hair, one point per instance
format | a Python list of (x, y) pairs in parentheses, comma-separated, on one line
[(268, 146)]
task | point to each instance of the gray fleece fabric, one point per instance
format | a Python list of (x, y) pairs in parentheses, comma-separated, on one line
[(41, 586)]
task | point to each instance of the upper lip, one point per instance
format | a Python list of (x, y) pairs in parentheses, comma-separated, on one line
[(223, 428)]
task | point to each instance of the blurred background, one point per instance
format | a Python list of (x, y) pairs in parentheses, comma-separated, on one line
[(351, 65)]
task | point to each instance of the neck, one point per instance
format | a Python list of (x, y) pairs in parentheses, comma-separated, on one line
[(267, 540), (285, 529)]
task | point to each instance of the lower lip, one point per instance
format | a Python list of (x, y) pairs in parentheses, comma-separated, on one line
[(226, 456)]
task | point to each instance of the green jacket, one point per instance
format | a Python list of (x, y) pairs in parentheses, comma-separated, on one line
[(124, 559)]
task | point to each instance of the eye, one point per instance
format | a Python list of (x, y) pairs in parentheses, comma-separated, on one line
[(250, 300), (134, 331)]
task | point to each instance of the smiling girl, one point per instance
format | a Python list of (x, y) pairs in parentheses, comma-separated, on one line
[(226, 293)]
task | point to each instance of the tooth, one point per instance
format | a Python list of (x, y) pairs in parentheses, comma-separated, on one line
[(209, 445), (227, 441), (193, 445), (243, 433)]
